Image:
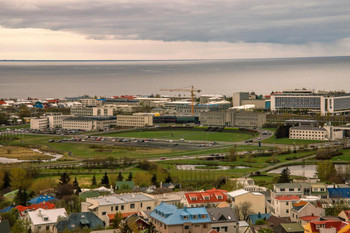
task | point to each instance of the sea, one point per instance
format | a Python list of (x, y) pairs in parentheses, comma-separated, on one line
[(52, 79)]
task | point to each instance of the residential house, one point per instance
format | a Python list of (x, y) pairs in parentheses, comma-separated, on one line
[(288, 228), (23, 210), (328, 226), (137, 221), (345, 215), (319, 190), (306, 219), (302, 208), (76, 221), (338, 192), (281, 206), (106, 206), (209, 198), (256, 199), (170, 185), (223, 220), (42, 198), (45, 220), (244, 227), (291, 189), (273, 221), (247, 184), (169, 219), (173, 198)]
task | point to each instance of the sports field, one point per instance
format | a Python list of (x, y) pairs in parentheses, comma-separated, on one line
[(232, 136)]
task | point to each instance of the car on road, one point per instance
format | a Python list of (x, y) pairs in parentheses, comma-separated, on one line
[(248, 141), (162, 158)]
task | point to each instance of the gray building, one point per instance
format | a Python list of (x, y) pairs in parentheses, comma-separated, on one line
[(334, 103), (233, 118), (223, 220)]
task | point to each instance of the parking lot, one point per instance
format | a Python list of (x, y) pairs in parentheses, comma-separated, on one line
[(138, 142)]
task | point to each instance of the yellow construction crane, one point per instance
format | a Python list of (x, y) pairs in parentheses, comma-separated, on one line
[(192, 90)]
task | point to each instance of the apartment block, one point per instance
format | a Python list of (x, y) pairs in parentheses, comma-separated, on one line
[(134, 120)]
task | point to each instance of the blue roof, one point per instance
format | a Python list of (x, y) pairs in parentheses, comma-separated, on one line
[(254, 217), (7, 209), (171, 215), (101, 99), (339, 192), (42, 198)]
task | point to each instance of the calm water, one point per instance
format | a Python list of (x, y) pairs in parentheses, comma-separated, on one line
[(106, 78)]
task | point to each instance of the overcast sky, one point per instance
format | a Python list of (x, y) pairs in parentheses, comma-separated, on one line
[(174, 29)]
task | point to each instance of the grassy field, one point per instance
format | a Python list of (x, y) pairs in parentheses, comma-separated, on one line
[(287, 141), (21, 153), (344, 157), (234, 136)]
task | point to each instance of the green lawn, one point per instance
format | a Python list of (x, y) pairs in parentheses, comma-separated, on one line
[(344, 157), (287, 141), (234, 136)]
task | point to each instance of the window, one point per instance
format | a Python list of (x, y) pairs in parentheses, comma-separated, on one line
[(111, 208), (122, 207), (282, 189), (132, 206), (103, 213), (291, 189), (116, 208), (287, 203), (47, 228), (148, 208), (187, 227)]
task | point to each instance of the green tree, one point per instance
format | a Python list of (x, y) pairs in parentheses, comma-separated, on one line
[(64, 178), (6, 180), (21, 226), (64, 187), (117, 220), (232, 155), (326, 170), (284, 176), (105, 180), (21, 197), (93, 181), (76, 186), (130, 176), (120, 177), (154, 179), (168, 179)]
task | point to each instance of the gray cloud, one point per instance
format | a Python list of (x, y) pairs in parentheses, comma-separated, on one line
[(269, 21)]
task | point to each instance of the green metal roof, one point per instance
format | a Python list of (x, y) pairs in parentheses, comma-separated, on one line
[(292, 227)]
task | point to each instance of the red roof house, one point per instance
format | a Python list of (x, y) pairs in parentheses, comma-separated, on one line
[(23, 210), (210, 197)]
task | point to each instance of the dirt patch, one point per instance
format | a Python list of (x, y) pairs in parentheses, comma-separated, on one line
[(21, 153)]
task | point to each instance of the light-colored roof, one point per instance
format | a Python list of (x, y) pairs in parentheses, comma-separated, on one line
[(42, 216), (108, 200), (243, 224), (132, 197), (237, 192)]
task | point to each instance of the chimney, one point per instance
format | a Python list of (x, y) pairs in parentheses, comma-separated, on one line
[(133, 195)]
